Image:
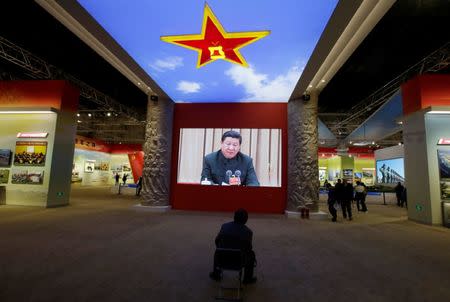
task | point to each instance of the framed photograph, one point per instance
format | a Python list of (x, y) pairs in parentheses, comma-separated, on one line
[(116, 168), (4, 176), (19, 176), (5, 157), (35, 178), (25, 177), (30, 153), (89, 166), (446, 213), (444, 163)]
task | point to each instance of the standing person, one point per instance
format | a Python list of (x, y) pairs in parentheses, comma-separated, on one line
[(339, 193), (229, 166), (360, 196), (139, 186), (346, 202), (124, 178), (404, 200), (236, 235), (117, 179), (331, 201), (398, 193)]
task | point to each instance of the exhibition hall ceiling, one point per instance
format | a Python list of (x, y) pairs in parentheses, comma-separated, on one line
[(219, 51)]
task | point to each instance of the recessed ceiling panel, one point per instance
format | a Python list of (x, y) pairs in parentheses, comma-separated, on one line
[(220, 51)]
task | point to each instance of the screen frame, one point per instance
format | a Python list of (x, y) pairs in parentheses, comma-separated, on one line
[(217, 198)]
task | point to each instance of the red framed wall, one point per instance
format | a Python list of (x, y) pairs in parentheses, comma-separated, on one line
[(424, 91), (229, 198)]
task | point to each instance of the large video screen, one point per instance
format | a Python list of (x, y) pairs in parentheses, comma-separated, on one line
[(390, 171), (230, 156)]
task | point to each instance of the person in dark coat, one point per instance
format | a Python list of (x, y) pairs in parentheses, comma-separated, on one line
[(399, 192), (331, 201), (236, 235), (229, 166), (346, 203), (139, 186), (404, 199)]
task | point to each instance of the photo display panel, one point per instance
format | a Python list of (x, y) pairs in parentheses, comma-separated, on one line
[(390, 171), (254, 159)]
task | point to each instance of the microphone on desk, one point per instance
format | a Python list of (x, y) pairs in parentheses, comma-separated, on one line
[(238, 174)]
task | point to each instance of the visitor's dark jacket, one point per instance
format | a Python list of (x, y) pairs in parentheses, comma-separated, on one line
[(234, 235), (215, 166)]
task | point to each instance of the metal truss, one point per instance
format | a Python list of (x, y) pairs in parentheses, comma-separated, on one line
[(358, 114), (37, 68)]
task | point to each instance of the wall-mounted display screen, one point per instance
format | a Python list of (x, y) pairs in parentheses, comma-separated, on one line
[(390, 171), (246, 157), (5, 157)]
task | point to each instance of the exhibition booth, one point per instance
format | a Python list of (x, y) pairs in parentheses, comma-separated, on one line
[(37, 135), (96, 163), (426, 133)]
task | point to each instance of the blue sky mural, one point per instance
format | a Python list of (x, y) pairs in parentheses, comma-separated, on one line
[(275, 61)]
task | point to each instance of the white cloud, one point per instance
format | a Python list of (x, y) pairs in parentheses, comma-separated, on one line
[(188, 87), (169, 63), (258, 87)]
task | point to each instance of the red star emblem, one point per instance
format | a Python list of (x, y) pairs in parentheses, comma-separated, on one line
[(215, 43)]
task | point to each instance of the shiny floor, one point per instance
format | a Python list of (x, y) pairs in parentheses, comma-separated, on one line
[(101, 249)]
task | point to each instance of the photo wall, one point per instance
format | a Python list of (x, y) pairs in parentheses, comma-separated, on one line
[(353, 169), (25, 162), (95, 168)]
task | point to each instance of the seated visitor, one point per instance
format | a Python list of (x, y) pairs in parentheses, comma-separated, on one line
[(236, 235)]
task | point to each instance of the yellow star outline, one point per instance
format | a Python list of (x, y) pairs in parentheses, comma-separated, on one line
[(214, 42)]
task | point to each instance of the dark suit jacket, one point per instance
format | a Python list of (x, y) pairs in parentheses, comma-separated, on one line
[(215, 166), (234, 236)]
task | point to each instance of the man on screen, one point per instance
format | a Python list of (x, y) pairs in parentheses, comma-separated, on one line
[(228, 166)]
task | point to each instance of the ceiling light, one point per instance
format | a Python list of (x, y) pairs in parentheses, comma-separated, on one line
[(139, 83), (89, 114), (323, 81), (78, 121), (400, 143), (351, 142), (438, 112), (373, 143), (78, 114), (25, 111), (108, 114)]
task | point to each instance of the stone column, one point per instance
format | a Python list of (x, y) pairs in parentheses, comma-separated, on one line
[(303, 171), (158, 153)]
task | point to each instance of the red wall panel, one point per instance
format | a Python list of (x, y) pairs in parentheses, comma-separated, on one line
[(425, 91), (229, 115), (55, 94)]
